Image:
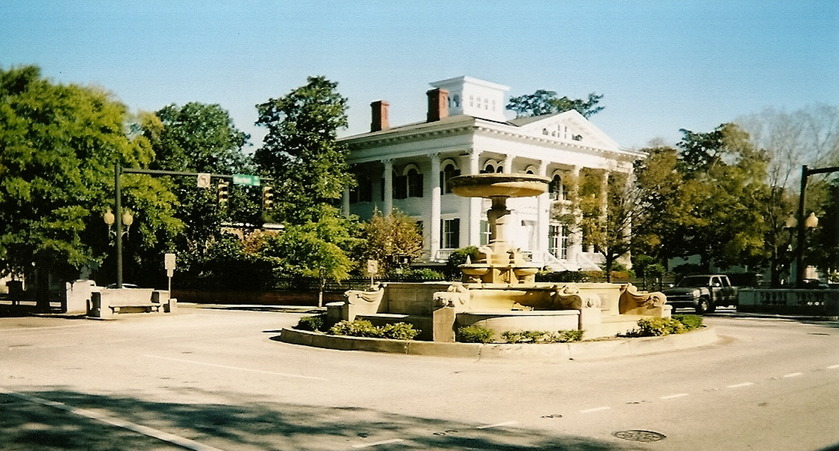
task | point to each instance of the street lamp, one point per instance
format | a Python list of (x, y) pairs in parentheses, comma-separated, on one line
[(110, 219), (810, 223)]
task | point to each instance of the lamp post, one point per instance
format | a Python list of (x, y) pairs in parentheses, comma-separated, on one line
[(118, 219), (811, 221)]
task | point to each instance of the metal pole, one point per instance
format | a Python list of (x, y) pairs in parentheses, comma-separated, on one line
[(802, 232), (118, 220)]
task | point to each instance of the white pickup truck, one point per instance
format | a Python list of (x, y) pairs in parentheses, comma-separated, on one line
[(704, 293)]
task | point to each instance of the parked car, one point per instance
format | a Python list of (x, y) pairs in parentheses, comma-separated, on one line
[(704, 293), (814, 284)]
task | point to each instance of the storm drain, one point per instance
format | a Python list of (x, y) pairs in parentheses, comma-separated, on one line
[(638, 435)]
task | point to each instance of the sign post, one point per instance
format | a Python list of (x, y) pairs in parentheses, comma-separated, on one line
[(169, 264)]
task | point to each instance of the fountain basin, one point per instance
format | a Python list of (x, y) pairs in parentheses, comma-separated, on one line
[(499, 185), (498, 322)]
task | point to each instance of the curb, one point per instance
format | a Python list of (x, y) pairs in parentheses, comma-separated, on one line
[(555, 351)]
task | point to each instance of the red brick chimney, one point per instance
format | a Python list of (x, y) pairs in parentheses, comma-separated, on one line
[(379, 119), (438, 104)]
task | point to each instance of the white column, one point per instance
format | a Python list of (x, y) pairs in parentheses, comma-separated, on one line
[(345, 202), (435, 193), (575, 240), (507, 164), (474, 227), (388, 187), (543, 220)]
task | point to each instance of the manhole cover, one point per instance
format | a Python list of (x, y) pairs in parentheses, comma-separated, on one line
[(637, 435)]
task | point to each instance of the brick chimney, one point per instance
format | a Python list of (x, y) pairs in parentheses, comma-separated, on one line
[(379, 119), (438, 104)]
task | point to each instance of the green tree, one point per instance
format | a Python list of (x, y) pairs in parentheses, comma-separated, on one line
[(546, 102), (320, 249), (199, 137), (58, 146), (301, 150), (391, 236)]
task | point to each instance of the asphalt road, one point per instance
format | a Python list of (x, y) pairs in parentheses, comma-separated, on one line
[(215, 379)]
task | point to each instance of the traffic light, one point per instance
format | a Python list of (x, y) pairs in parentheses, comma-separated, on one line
[(267, 197), (223, 192)]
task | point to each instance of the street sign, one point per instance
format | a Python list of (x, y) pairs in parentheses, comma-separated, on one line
[(246, 180), (203, 180), (169, 263)]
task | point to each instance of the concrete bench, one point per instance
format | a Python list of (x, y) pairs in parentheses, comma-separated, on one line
[(108, 302)]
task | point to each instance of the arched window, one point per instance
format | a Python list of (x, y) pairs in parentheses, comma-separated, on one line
[(555, 188), (448, 172), (414, 182)]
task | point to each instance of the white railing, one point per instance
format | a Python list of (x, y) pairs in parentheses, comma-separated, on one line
[(791, 301)]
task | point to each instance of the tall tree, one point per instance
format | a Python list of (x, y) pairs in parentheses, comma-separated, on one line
[(546, 102), (199, 137), (301, 150), (726, 188), (58, 147), (388, 237)]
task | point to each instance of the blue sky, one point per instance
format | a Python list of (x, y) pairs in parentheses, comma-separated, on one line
[(661, 65)]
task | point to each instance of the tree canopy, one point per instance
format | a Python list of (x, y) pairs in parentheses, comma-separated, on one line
[(58, 147), (546, 102), (301, 150)]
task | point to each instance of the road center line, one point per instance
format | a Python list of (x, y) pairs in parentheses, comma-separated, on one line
[(383, 442), (113, 421), (227, 367), (674, 396), (596, 409), (742, 384), (793, 375), (497, 425)]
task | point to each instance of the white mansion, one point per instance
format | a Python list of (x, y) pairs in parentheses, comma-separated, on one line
[(406, 168)]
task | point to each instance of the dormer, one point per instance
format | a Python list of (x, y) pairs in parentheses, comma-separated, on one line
[(474, 97)]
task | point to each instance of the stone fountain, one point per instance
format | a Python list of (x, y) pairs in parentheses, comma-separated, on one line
[(498, 289), (499, 262)]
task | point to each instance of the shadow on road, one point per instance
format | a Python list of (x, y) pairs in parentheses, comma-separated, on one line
[(28, 424)]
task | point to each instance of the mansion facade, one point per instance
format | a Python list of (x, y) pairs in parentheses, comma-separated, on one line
[(407, 167)]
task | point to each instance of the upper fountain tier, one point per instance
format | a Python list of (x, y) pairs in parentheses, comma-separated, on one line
[(499, 185)]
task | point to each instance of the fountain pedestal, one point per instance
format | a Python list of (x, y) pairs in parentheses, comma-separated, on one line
[(499, 262)]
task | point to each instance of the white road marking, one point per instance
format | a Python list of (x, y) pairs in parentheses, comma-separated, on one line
[(596, 409), (113, 421), (742, 384), (497, 425), (793, 375), (383, 442), (833, 367), (674, 396), (227, 367)]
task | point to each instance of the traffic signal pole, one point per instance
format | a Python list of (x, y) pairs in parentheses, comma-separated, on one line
[(118, 171)]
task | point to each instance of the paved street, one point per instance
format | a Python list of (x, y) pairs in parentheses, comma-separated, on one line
[(215, 379)]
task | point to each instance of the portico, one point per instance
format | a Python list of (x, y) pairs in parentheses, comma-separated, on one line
[(407, 168)]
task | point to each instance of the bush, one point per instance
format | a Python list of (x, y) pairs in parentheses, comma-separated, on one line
[(358, 328), (657, 327), (541, 336), (363, 328), (690, 322), (415, 275), (400, 331), (313, 323), (457, 258), (474, 334)]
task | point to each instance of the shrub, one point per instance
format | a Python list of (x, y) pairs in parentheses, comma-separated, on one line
[(656, 327), (363, 328), (541, 336), (474, 334), (400, 331), (690, 322), (358, 328), (313, 323), (415, 275)]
